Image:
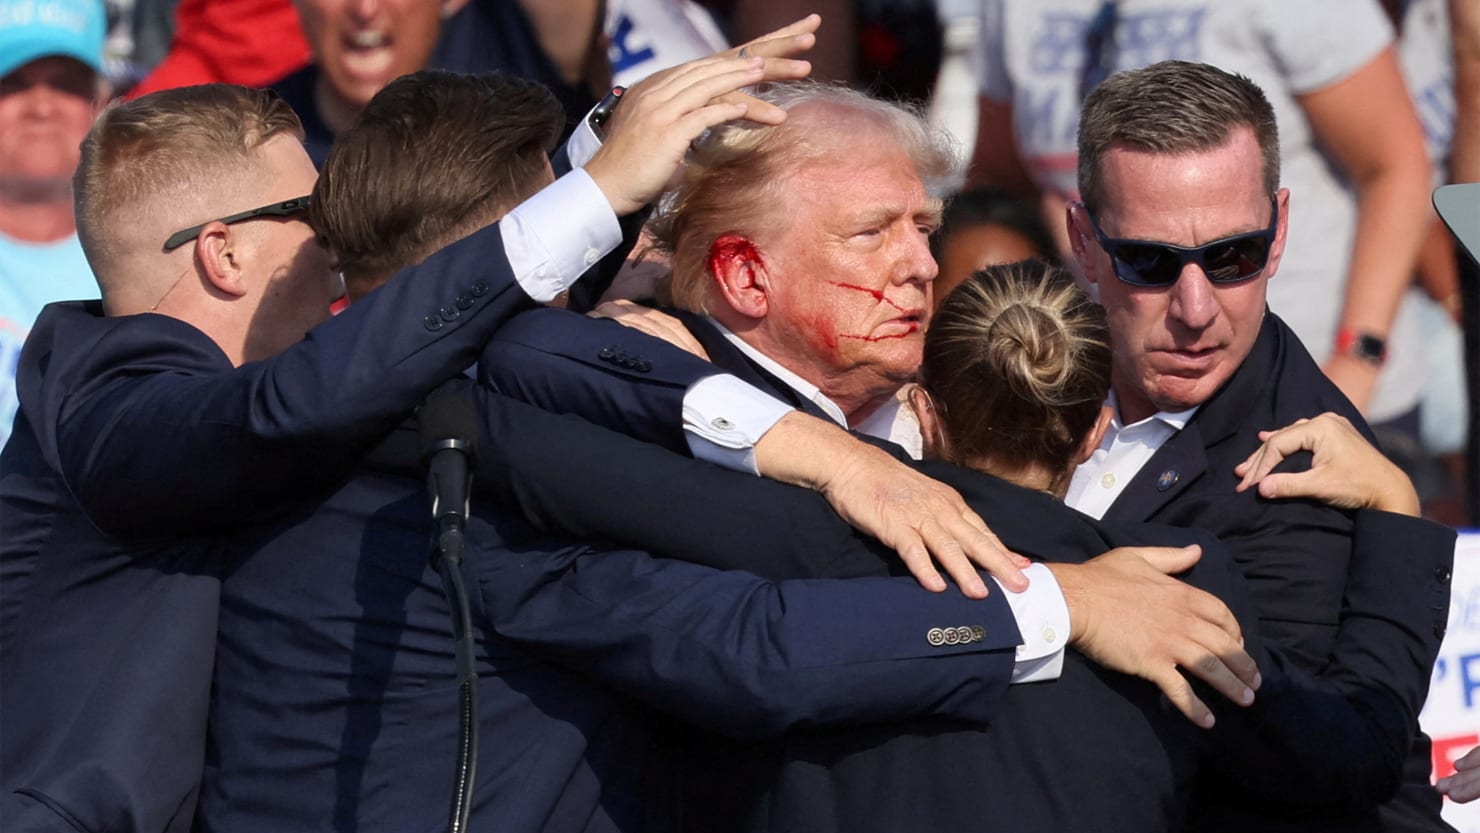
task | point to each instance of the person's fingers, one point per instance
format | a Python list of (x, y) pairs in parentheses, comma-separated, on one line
[(946, 551), (1168, 560), (1215, 671), (916, 558), (1179, 692), (766, 44)]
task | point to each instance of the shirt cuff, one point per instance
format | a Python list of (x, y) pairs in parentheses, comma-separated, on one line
[(557, 234), (582, 144), (723, 419), (1043, 620)]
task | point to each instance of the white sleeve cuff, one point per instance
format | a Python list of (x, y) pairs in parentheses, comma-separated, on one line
[(557, 234), (723, 419), (1043, 619), (582, 144)]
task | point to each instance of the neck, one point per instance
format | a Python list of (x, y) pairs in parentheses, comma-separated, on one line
[(1037, 476), (38, 213), (338, 114)]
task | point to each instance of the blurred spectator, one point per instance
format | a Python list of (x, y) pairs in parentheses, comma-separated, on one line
[(1350, 144), (250, 42), (985, 227), (1436, 462), (358, 47), (51, 57)]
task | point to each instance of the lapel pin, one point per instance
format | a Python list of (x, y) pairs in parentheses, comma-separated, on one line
[(1167, 479)]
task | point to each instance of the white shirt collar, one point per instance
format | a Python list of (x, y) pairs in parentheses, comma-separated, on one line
[(795, 382)]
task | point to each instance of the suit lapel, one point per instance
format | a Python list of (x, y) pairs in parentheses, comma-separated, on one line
[(726, 355), (1170, 471), (1184, 458)]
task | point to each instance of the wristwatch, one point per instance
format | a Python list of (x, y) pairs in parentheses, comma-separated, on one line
[(604, 110), (1370, 348)]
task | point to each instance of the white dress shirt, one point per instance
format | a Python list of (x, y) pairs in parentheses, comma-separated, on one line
[(1123, 451)]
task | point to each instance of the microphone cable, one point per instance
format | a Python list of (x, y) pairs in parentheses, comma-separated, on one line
[(447, 430)]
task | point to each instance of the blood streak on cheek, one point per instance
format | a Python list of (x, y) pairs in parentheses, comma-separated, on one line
[(729, 249), (877, 294), (821, 328)]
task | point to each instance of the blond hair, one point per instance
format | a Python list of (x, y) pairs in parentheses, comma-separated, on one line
[(169, 143), (1017, 361), (736, 179)]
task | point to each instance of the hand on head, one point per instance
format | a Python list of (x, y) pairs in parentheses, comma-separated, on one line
[(651, 130)]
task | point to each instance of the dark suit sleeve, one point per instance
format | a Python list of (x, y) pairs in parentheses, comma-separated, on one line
[(152, 443), (1339, 739), (572, 478), (597, 369), (737, 654)]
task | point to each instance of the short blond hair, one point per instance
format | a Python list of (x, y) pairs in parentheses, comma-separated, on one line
[(172, 141), (737, 175)]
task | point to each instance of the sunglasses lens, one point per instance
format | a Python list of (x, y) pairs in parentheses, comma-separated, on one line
[(1147, 265), (1237, 259)]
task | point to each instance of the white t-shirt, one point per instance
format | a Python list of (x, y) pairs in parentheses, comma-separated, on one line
[(1031, 53)]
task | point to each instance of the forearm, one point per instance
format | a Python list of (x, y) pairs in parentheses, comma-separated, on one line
[(730, 652), (1392, 221)]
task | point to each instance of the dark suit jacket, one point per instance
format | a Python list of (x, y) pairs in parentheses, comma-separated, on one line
[(1379, 715), (334, 668), (136, 446), (1297, 555), (335, 703)]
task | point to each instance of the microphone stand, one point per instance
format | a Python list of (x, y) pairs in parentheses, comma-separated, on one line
[(449, 423)]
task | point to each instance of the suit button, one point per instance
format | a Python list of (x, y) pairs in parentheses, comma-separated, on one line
[(450, 314), (978, 633), (432, 322), (1442, 575), (644, 366), (606, 354), (953, 636), (936, 637), (464, 301), (479, 289)]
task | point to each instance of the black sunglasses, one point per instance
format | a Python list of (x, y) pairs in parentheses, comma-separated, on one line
[(288, 208), (1230, 260)]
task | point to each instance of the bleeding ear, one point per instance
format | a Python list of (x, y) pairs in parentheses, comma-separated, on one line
[(216, 250), (739, 274)]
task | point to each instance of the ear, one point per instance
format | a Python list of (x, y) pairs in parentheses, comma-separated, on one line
[(1277, 248), (739, 273), (1096, 434), (1082, 240), (932, 432), (220, 258)]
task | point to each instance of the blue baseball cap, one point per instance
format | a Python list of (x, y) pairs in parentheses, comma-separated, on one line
[(31, 29)]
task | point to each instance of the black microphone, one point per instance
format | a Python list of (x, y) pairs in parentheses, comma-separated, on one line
[(448, 432), (447, 429)]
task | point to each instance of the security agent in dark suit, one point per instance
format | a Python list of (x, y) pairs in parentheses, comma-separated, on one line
[(290, 743), (1182, 224), (144, 438), (1092, 751)]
